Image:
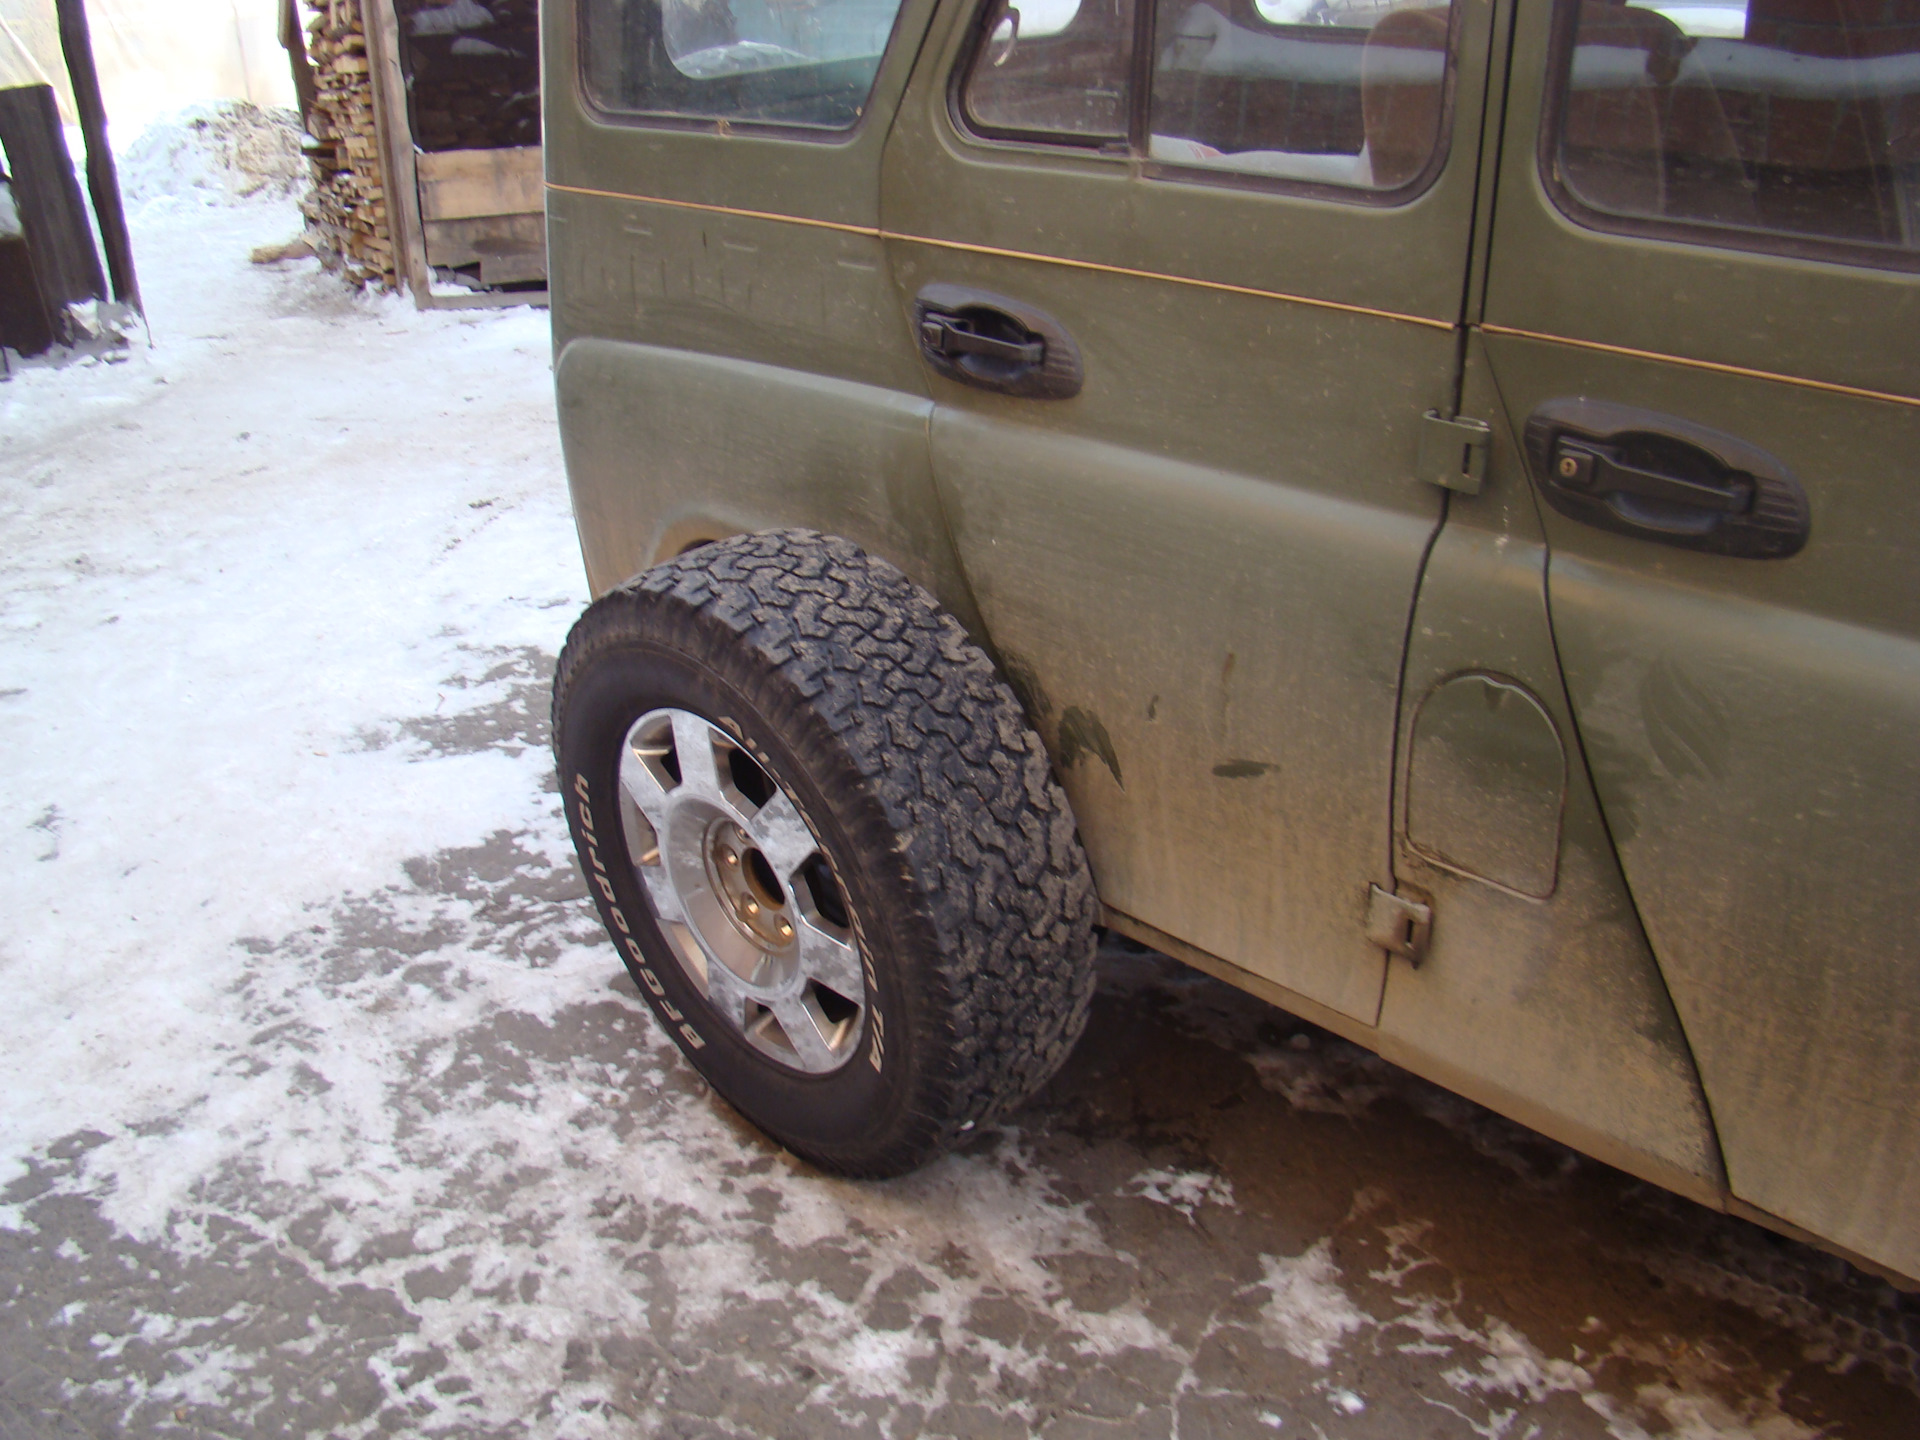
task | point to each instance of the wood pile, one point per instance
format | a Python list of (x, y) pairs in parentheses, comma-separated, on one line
[(346, 209)]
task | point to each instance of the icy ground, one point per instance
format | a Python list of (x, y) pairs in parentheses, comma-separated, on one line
[(326, 1109)]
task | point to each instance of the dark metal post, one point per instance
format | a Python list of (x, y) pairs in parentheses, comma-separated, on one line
[(103, 181)]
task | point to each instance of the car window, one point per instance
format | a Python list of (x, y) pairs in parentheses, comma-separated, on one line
[(808, 63), (1335, 92), (1779, 124), (1053, 71), (1343, 92)]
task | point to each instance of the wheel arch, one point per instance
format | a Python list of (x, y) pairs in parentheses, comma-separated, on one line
[(668, 449)]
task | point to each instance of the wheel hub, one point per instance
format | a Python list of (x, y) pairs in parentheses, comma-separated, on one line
[(754, 899)]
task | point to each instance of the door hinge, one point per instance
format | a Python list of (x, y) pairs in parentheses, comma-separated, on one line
[(1453, 452), (1397, 924)]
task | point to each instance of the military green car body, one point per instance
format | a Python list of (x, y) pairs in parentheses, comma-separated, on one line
[(1330, 670)]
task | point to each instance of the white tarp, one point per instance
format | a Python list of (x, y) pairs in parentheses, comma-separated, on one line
[(154, 56)]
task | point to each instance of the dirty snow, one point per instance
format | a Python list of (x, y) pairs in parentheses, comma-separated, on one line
[(1184, 1190), (230, 150), (1307, 1307), (325, 1108)]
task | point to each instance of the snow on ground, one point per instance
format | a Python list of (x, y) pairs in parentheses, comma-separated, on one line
[(325, 1108)]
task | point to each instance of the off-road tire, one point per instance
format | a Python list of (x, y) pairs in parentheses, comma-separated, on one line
[(915, 768)]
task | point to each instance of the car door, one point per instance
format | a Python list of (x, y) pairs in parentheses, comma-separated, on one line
[(1187, 278), (1700, 318), (727, 352)]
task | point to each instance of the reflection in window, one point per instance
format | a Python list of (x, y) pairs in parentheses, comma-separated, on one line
[(1360, 13), (1063, 73), (1037, 18), (1341, 92), (785, 62), (1726, 21), (1782, 118)]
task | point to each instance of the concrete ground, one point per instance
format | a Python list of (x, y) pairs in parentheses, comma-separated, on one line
[(325, 1109)]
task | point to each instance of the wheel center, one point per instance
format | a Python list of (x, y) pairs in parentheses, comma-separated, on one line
[(754, 899)]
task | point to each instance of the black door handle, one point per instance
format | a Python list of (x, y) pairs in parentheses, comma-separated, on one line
[(950, 336), (995, 343), (1681, 503), (1664, 479)]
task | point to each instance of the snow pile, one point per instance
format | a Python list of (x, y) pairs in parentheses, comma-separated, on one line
[(233, 150)]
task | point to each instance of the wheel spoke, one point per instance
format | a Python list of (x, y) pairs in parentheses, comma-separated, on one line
[(693, 748), (727, 994), (809, 1046), (831, 959), (643, 787), (693, 959), (666, 900), (782, 836)]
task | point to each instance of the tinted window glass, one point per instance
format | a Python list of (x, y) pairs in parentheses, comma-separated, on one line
[(1053, 69), (1342, 92), (1772, 120), (780, 62)]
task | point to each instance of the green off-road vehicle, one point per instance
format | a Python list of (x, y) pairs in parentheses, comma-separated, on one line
[(1411, 508)]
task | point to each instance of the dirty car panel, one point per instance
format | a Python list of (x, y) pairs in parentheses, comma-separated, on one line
[(1748, 714)]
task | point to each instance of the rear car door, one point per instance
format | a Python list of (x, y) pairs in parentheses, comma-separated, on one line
[(1701, 314), (1187, 276), (728, 355)]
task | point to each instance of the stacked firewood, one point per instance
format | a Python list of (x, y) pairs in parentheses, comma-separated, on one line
[(346, 208)]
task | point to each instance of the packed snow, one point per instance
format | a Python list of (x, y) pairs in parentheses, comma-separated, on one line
[(325, 1107)]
